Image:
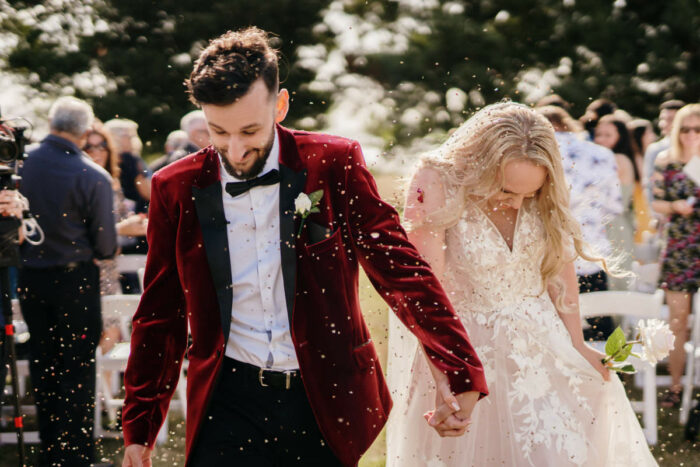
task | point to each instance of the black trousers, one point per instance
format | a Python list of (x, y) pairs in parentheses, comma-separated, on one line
[(250, 425), (601, 326), (62, 309)]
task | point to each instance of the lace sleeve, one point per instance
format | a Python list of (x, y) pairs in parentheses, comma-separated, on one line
[(426, 196)]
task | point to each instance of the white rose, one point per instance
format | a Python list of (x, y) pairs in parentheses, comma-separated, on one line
[(302, 204), (657, 340)]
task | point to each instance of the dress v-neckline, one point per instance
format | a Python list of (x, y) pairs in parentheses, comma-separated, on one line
[(510, 248)]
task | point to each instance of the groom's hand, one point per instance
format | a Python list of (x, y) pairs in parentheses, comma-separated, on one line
[(452, 413), (137, 455), (450, 422)]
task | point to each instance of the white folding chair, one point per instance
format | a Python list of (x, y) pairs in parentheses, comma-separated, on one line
[(141, 273), (640, 306), (692, 362), (646, 277), (123, 307), (130, 263)]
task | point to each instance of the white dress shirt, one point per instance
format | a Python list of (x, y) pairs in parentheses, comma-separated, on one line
[(259, 332), (591, 171)]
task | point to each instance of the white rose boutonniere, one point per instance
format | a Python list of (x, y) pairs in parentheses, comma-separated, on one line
[(654, 336), (307, 204)]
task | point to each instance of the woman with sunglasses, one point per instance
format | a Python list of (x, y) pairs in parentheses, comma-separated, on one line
[(99, 147), (676, 197)]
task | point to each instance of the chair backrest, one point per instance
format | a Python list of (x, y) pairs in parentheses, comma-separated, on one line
[(130, 263), (646, 276), (141, 273), (121, 307), (695, 322), (621, 303), (16, 310)]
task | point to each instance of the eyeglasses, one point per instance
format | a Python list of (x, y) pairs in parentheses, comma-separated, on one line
[(688, 129), (102, 145)]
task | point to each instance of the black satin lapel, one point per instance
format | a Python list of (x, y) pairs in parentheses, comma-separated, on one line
[(291, 184), (210, 212)]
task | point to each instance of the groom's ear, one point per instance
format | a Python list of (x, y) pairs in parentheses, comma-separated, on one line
[(282, 105)]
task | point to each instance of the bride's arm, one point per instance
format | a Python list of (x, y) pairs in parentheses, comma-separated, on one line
[(426, 195), (572, 319)]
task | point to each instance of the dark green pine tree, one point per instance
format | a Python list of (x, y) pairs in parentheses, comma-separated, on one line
[(635, 52), (149, 48)]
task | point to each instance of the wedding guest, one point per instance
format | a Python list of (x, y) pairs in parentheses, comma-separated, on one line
[(71, 198), (591, 172), (554, 99), (595, 110), (489, 210), (194, 124), (256, 243), (643, 135), (99, 147), (667, 112), (675, 196), (612, 134), (176, 139), (135, 181), (135, 176)]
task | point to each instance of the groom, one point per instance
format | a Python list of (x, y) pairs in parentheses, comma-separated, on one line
[(282, 369)]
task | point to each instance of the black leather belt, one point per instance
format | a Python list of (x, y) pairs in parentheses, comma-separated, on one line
[(264, 377)]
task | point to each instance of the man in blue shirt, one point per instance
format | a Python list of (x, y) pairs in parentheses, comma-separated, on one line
[(71, 198)]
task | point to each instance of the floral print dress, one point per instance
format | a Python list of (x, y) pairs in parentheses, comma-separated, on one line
[(680, 263)]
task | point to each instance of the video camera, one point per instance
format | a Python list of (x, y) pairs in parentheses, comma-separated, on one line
[(12, 141), (12, 150)]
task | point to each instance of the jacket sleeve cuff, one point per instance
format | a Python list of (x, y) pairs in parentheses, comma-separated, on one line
[(468, 380)]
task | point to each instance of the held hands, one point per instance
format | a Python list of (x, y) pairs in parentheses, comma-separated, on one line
[(137, 455), (595, 359), (448, 421), (452, 415)]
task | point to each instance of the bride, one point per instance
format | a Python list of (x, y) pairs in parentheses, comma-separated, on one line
[(489, 211)]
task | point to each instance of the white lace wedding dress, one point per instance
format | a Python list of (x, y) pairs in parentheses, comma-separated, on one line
[(547, 405)]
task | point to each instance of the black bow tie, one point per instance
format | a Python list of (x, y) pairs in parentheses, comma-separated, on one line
[(236, 188)]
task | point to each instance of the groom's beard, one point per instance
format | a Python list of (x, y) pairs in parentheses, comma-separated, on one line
[(260, 154)]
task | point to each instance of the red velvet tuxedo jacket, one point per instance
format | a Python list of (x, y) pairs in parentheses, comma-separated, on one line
[(188, 279)]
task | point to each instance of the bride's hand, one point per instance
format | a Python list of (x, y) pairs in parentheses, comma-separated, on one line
[(595, 359)]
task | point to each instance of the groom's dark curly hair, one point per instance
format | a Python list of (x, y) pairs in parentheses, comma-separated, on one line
[(230, 64)]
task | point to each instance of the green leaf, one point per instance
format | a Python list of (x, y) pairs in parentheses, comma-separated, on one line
[(624, 353), (314, 210), (624, 369), (615, 342), (316, 196)]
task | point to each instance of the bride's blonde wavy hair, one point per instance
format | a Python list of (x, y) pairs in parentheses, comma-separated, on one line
[(472, 163)]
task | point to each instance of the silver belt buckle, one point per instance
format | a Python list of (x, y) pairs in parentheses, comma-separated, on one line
[(261, 378)]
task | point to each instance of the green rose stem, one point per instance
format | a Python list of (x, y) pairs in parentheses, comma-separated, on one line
[(301, 225), (611, 357), (617, 348)]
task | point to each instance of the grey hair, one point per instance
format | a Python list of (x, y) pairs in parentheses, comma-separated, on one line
[(71, 115), (177, 139), (190, 118)]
